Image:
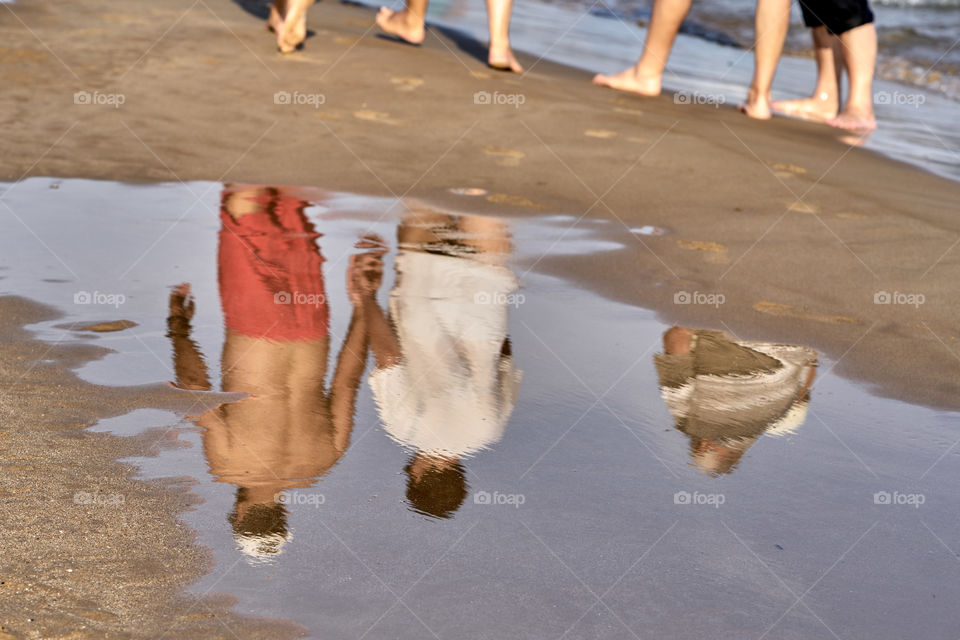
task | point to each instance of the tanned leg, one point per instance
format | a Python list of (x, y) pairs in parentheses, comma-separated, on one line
[(645, 76), (407, 24), (825, 101), (772, 22)]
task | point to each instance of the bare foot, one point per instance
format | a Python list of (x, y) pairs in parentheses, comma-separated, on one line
[(756, 106), (275, 21), (292, 29), (630, 80), (402, 24), (859, 119), (502, 59), (815, 108)]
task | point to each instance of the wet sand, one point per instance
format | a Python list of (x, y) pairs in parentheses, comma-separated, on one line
[(797, 230), (90, 552)]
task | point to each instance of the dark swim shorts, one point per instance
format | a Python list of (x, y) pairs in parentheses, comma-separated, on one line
[(838, 16)]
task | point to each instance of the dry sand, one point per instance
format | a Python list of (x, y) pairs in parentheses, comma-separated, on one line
[(796, 229)]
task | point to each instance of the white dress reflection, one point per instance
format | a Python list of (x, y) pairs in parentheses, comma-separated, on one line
[(445, 382)]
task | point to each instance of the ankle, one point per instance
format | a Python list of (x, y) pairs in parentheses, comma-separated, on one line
[(646, 69), (411, 19), (757, 94), (500, 44)]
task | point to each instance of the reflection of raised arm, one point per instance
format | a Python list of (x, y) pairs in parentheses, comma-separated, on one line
[(363, 280), (383, 340), (189, 368)]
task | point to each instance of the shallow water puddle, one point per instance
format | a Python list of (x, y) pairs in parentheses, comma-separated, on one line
[(437, 441)]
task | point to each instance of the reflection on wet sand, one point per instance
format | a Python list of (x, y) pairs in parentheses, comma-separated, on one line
[(724, 393), (293, 428), (445, 382)]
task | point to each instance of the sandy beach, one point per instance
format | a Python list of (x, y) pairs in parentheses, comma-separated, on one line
[(802, 234)]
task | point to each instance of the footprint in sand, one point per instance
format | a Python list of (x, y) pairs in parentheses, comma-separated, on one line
[(599, 133), (851, 216), (299, 56), (113, 325), (514, 201), (791, 311), (787, 170), (406, 83), (95, 614), (11, 56), (507, 157), (803, 207), (326, 115), (713, 251), (374, 116)]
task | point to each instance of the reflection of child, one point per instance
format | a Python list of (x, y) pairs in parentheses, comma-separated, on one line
[(723, 393), (445, 382)]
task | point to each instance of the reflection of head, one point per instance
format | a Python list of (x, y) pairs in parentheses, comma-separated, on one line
[(260, 529), (435, 486)]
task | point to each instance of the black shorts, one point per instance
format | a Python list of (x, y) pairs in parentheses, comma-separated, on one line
[(838, 16)]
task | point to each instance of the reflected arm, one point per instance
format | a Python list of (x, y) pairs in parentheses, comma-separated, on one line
[(188, 364), (346, 380), (383, 339)]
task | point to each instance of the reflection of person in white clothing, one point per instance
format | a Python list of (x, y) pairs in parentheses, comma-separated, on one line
[(445, 382)]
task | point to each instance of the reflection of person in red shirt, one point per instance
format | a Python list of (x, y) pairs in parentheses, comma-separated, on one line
[(271, 282), (292, 428)]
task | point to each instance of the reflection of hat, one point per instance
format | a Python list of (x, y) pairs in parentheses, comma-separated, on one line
[(737, 404), (260, 548), (259, 528)]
